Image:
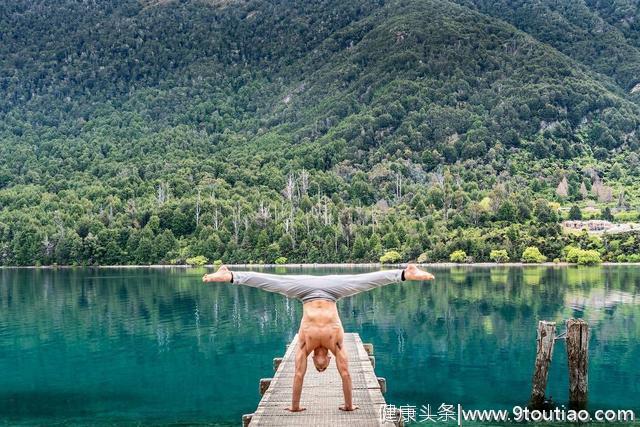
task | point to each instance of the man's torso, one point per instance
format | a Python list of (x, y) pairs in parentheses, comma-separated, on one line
[(321, 325)]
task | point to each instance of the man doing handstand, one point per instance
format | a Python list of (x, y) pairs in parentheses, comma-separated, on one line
[(320, 329)]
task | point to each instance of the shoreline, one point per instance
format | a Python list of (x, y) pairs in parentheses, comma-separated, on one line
[(322, 265)]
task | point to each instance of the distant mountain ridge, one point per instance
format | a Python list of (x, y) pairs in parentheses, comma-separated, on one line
[(113, 111)]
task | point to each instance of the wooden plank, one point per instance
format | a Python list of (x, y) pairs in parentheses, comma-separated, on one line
[(322, 393)]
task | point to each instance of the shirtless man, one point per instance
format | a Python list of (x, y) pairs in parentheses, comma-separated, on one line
[(320, 329)]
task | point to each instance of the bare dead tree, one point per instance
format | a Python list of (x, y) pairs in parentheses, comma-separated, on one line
[(216, 221), (290, 188), (162, 193), (263, 212), (47, 246), (198, 208), (583, 191), (325, 211), (374, 221), (562, 189), (398, 186), (236, 219), (304, 181)]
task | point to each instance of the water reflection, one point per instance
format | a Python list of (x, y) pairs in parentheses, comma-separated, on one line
[(176, 350)]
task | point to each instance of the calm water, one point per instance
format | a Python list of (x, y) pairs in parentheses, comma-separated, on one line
[(90, 346)]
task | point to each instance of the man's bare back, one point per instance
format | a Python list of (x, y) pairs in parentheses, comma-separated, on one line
[(320, 330)]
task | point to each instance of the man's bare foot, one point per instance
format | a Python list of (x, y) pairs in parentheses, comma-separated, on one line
[(222, 275), (412, 272), (298, 409), (352, 408)]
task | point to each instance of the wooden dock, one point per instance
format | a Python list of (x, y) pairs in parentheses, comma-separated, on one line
[(322, 392)]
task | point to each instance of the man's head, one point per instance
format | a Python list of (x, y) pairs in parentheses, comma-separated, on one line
[(321, 358)]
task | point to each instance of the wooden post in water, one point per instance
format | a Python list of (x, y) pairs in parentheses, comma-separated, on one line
[(368, 347), (276, 363), (578, 360), (264, 385), (544, 353), (246, 419), (382, 382)]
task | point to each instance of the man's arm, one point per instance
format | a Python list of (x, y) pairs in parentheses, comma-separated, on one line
[(342, 363), (298, 378)]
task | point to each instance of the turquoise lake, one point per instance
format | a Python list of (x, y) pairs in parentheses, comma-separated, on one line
[(157, 346)]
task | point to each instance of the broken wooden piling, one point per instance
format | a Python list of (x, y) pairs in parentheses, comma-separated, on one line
[(577, 343), (544, 352), (578, 361)]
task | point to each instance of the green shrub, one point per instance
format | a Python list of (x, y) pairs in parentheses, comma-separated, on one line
[(556, 260), (391, 257), (423, 258), (533, 255), (281, 260), (499, 255), (458, 256), (633, 258), (582, 256), (589, 257), (197, 260), (217, 262), (573, 254)]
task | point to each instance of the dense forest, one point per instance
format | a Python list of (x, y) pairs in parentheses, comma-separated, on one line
[(155, 131)]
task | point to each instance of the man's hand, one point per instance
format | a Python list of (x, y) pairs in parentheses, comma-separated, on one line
[(222, 275), (348, 408), (414, 273), (298, 409)]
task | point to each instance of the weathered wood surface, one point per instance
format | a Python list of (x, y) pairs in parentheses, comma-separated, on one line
[(544, 352), (322, 393), (578, 361)]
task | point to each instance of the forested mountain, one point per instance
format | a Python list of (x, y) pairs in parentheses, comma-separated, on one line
[(598, 34), (153, 131)]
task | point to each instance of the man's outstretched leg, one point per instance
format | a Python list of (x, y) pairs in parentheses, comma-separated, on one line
[(346, 285), (291, 286)]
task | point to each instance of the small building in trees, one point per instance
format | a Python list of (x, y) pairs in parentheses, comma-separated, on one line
[(590, 225)]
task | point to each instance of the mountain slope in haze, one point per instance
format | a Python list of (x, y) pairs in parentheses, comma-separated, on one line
[(322, 131)]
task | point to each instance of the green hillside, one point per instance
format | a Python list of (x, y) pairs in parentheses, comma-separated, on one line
[(145, 132), (598, 34)]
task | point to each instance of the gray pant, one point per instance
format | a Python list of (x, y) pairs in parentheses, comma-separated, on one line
[(307, 288)]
